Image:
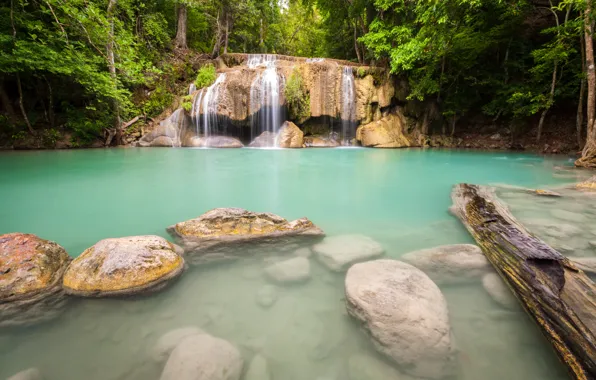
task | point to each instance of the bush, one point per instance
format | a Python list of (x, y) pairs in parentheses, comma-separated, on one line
[(206, 76), (297, 98), (187, 103)]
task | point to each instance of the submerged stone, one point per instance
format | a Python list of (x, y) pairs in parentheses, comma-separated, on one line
[(367, 367), (258, 369), (225, 234), (203, 357), (31, 271), (168, 342), (338, 253), (498, 290), (589, 184), (266, 296), (289, 271), (450, 264), (28, 374), (124, 266), (405, 314), (569, 216)]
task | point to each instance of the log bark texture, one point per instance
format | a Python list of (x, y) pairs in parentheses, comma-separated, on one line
[(554, 292)]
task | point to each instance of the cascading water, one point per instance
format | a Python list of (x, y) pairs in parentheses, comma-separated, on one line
[(348, 104), (265, 94), (204, 109), (192, 88)]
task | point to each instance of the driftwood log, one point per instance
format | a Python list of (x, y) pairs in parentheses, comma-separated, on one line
[(554, 292)]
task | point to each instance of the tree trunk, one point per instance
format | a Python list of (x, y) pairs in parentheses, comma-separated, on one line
[(453, 120), (558, 296), (22, 106), (356, 44), (51, 103), (579, 120), (181, 30), (217, 45), (227, 31), (112, 68), (550, 102), (588, 158), (7, 103)]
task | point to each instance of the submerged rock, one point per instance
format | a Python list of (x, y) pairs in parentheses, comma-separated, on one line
[(389, 132), (203, 357), (290, 136), (498, 290), (569, 216), (338, 253), (587, 264), (289, 271), (266, 296), (168, 342), (366, 367), (123, 266), (229, 233), (405, 314), (31, 271), (266, 139), (258, 369), (215, 142), (450, 264), (589, 184), (28, 374), (303, 252)]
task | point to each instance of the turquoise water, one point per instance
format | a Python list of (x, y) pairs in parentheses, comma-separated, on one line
[(398, 197)]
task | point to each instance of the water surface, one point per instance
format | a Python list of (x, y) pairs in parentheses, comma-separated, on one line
[(398, 197)]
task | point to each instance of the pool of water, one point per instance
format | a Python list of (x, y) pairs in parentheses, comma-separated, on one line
[(399, 198)]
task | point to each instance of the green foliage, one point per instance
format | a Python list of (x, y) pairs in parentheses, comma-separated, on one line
[(297, 97), (50, 137), (206, 76), (187, 103), (159, 99)]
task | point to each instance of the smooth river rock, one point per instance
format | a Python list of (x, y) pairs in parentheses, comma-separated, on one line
[(338, 253), (258, 369), (266, 296), (203, 357), (31, 271), (216, 142), (290, 136), (405, 315), (450, 264), (124, 266), (289, 271), (168, 342), (225, 234), (498, 290), (28, 374), (367, 367)]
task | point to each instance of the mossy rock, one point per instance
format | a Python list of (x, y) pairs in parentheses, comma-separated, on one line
[(124, 266)]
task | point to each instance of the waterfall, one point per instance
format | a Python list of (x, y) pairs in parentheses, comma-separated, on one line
[(192, 88), (265, 92), (348, 104), (204, 108)]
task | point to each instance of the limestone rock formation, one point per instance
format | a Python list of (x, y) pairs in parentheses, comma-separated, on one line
[(320, 142), (162, 142), (124, 266), (168, 342), (405, 314), (450, 264), (589, 184), (389, 132), (289, 271), (496, 288), (203, 357), (229, 233), (213, 142), (28, 374), (169, 132), (338, 253), (31, 271), (264, 140), (290, 136)]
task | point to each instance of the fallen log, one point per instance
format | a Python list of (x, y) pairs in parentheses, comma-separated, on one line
[(553, 290)]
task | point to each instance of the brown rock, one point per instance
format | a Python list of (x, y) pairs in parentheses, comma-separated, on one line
[(218, 234), (320, 142), (290, 136), (589, 184), (31, 271), (264, 140), (124, 266), (389, 132), (162, 141), (215, 142)]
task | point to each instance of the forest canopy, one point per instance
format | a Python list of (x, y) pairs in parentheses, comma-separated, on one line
[(87, 66)]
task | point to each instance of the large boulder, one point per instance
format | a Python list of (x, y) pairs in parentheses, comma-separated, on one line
[(169, 132), (124, 266), (405, 314), (203, 357), (338, 253), (289, 271), (389, 132), (162, 142), (215, 142), (450, 264), (290, 136), (31, 271), (266, 139), (228, 233)]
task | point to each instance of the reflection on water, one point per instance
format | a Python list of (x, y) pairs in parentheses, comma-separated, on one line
[(397, 197)]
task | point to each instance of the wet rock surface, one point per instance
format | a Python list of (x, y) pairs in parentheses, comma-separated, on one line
[(124, 266), (289, 271), (389, 132), (215, 142), (450, 264), (31, 271), (218, 234), (405, 315), (338, 253)]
